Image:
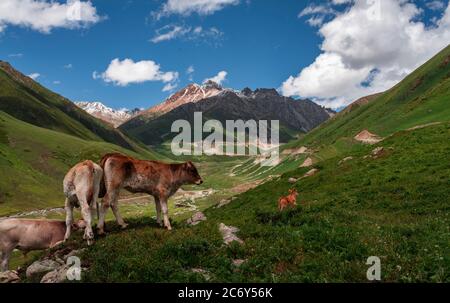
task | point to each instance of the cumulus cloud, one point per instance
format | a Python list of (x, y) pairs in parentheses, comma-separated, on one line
[(188, 7), (125, 72), (68, 66), (172, 31), (219, 78), (368, 48), (34, 76), (44, 15)]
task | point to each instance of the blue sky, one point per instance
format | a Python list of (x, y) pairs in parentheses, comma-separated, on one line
[(258, 43)]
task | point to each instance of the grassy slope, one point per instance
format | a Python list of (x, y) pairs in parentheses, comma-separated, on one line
[(34, 160), (28, 101), (421, 98), (395, 207)]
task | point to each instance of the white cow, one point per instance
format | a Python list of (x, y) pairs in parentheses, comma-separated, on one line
[(81, 187), (29, 234)]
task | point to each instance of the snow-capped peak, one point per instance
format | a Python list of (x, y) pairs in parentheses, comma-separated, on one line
[(190, 94), (115, 117)]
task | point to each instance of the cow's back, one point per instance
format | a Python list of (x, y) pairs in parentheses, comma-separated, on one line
[(31, 234)]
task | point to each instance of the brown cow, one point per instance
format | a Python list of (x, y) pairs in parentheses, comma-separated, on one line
[(29, 234), (155, 178), (81, 188)]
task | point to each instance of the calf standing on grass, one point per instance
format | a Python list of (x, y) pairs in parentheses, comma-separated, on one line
[(29, 234), (155, 178), (81, 188), (291, 200)]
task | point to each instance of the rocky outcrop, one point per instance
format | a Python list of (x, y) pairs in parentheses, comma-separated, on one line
[(39, 268), (367, 137), (196, 218), (307, 163), (10, 276), (228, 234)]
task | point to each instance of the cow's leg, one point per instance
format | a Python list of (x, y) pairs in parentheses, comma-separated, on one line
[(87, 217), (165, 211), (69, 218), (102, 213), (6, 254), (158, 211), (115, 209)]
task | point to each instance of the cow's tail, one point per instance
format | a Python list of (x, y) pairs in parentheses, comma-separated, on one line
[(102, 191)]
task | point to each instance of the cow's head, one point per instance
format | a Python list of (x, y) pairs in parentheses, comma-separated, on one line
[(191, 175)]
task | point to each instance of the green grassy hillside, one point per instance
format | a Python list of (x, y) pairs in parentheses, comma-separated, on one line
[(26, 100), (423, 97), (34, 160), (395, 206)]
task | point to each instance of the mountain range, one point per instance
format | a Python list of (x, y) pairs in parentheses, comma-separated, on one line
[(153, 126)]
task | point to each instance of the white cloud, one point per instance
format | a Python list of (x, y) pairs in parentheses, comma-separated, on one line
[(68, 66), (169, 87), (188, 7), (368, 48), (219, 78), (190, 72), (171, 31), (316, 9), (34, 76), (56, 82), (44, 15), (436, 5), (18, 55), (125, 72)]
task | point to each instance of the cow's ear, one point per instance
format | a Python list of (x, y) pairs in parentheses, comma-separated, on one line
[(189, 164)]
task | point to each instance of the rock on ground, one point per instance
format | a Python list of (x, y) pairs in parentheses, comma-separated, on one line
[(345, 160), (307, 163), (311, 173), (367, 137), (378, 151), (292, 180), (40, 268), (10, 276), (56, 276), (196, 218), (228, 234)]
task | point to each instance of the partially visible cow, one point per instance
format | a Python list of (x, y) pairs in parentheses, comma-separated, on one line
[(81, 188), (29, 234), (161, 180)]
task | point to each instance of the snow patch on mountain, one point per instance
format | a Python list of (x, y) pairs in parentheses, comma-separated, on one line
[(116, 117)]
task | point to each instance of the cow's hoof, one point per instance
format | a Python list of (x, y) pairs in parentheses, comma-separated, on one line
[(123, 226), (90, 242), (101, 233)]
